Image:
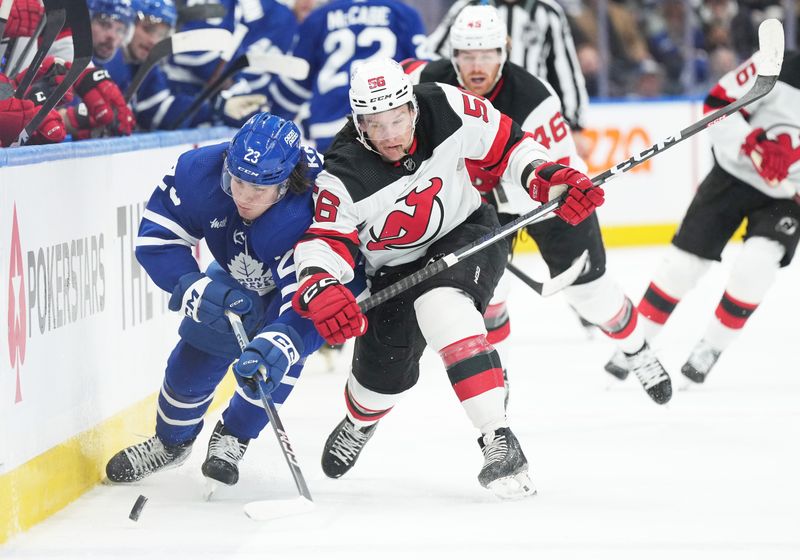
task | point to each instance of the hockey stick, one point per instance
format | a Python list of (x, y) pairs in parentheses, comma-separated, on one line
[(280, 64), (56, 16), (557, 283), (187, 41), (80, 23), (266, 509), (770, 36), (28, 46)]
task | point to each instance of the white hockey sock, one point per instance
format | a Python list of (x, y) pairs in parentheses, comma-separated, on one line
[(365, 406), (454, 328), (752, 275)]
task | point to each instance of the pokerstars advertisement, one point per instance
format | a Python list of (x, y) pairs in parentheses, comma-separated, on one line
[(656, 191), (88, 333)]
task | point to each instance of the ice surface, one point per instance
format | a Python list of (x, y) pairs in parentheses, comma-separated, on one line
[(715, 474)]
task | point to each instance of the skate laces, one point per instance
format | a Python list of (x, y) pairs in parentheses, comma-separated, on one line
[(226, 447), (348, 443), (703, 357), (495, 447), (148, 456), (648, 369)]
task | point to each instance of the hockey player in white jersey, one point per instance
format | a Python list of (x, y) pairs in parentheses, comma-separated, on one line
[(756, 175), (478, 63), (395, 188)]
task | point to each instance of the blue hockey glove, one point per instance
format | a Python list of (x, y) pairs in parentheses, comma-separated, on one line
[(267, 359), (206, 300)]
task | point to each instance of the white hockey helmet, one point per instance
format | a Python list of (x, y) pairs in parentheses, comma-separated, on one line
[(379, 85), (478, 28)]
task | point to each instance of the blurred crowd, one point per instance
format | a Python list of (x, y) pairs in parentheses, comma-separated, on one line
[(622, 49)]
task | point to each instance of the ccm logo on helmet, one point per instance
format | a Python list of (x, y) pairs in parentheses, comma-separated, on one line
[(380, 97), (373, 83)]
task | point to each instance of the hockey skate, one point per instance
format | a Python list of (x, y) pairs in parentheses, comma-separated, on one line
[(343, 447), (224, 453), (143, 459), (700, 362), (618, 365), (651, 374), (505, 469)]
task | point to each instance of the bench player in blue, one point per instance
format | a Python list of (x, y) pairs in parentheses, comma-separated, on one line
[(251, 201)]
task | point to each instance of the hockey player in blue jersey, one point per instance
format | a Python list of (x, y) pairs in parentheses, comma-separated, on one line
[(260, 26), (250, 199), (332, 38), (155, 105)]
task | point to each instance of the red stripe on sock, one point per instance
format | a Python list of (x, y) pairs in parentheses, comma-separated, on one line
[(626, 331), (739, 303), (499, 334), (478, 384), (360, 412), (465, 348), (495, 310)]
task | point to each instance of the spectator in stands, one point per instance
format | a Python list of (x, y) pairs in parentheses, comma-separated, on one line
[(627, 47)]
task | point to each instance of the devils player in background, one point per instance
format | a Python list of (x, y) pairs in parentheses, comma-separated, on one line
[(251, 201), (478, 63), (332, 38), (756, 175), (395, 189)]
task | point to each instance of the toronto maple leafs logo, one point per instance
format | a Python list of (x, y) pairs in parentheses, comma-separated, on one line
[(251, 274)]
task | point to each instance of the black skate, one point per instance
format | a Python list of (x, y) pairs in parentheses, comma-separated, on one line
[(700, 362), (143, 459), (224, 453), (618, 365), (651, 374), (505, 469), (343, 447)]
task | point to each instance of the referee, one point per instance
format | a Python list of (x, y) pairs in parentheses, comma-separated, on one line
[(541, 42)]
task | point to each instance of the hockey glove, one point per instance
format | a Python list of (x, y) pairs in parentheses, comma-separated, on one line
[(771, 158), (550, 180), (49, 75), (16, 113), (104, 102), (205, 301), (235, 110), (267, 359), (331, 307), (24, 18)]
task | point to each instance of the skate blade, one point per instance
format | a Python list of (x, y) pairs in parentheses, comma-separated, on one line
[(266, 510), (512, 487), (210, 487)]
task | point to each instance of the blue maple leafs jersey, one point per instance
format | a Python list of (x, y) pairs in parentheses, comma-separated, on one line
[(331, 39), (260, 26), (154, 104), (190, 205)]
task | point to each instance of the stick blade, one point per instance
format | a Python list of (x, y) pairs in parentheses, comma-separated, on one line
[(566, 278), (201, 40), (770, 47), (281, 64), (266, 510)]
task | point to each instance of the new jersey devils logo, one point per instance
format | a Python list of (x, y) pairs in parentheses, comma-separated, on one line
[(403, 230)]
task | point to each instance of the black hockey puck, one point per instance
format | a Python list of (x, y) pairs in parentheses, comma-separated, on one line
[(136, 511)]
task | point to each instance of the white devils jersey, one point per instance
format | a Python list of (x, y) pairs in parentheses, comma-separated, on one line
[(392, 212), (777, 113), (531, 103)]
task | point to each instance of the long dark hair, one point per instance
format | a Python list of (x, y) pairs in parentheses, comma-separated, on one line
[(298, 180)]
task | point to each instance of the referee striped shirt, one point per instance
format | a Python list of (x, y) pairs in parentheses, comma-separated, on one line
[(541, 42)]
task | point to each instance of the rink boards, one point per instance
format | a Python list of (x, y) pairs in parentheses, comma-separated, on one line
[(86, 333)]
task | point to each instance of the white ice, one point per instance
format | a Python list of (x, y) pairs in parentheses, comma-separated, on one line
[(715, 474)]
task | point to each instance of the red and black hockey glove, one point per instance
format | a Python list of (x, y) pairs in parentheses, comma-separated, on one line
[(771, 158), (331, 307), (104, 102), (24, 18), (550, 180), (49, 75), (16, 113)]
